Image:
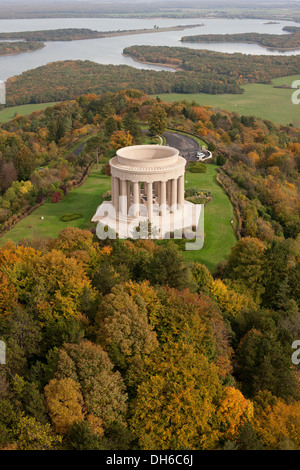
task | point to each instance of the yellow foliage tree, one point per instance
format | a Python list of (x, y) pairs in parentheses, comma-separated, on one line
[(174, 405), (32, 435), (120, 139), (254, 157), (232, 412), (230, 302), (8, 295), (278, 424), (64, 403)]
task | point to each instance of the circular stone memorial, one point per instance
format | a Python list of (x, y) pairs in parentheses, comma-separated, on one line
[(147, 184)]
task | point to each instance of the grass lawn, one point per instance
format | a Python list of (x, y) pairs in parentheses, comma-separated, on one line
[(265, 101), (219, 233), (7, 114), (83, 200)]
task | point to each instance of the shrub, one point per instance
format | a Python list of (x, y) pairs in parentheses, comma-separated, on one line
[(197, 167), (70, 216), (57, 195), (107, 196)]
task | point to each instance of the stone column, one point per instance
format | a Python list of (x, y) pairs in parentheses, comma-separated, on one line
[(169, 192), (136, 197), (149, 199), (128, 194), (174, 195), (158, 192), (123, 198), (163, 197), (112, 188), (180, 193), (115, 192)]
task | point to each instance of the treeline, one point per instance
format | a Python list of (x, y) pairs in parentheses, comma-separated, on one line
[(199, 71), (73, 34), (10, 48), (281, 42), (234, 69), (65, 80), (68, 34)]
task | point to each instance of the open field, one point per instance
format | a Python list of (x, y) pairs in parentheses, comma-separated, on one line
[(83, 200), (219, 233), (265, 101), (7, 114)]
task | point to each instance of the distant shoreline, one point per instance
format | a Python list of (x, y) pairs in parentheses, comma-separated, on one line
[(78, 34)]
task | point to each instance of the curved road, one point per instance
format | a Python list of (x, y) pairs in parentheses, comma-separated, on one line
[(187, 146)]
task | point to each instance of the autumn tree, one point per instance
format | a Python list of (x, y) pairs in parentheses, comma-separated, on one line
[(101, 387), (174, 406), (233, 411), (32, 435), (276, 422), (121, 139), (64, 403), (8, 296), (54, 285), (8, 174), (157, 120), (123, 327)]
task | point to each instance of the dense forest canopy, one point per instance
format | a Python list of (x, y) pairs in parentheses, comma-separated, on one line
[(103, 336), (18, 47)]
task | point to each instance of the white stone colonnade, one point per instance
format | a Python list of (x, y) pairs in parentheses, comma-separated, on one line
[(147, 182), (147, 175)]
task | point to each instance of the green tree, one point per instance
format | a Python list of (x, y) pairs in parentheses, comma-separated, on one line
[(97, 144), (157, 120), (25, 162), (246, 263), (131, 124), (82, 437)]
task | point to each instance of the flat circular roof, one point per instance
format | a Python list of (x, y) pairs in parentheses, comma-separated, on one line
[(145, 156)]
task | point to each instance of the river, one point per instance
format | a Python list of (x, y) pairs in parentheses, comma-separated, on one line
[(109, 50)]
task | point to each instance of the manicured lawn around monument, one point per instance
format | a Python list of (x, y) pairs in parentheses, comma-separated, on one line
[(83, 200), (264, 101), (219, 234), (218, 214)]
